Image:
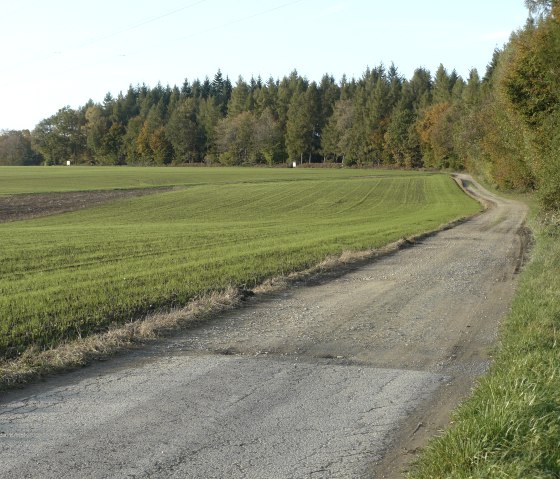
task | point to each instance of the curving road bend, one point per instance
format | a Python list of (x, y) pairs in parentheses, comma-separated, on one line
[(338, 378)]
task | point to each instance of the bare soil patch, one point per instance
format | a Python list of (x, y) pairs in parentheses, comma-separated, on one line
[(23, 207)]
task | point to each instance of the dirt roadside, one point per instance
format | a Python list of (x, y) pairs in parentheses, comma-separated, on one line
[(344, 376), (433, 416)]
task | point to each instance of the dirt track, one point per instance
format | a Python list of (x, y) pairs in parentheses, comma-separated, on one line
[(338, 378)]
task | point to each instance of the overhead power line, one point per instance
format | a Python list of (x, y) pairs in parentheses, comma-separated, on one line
[(104, 37)]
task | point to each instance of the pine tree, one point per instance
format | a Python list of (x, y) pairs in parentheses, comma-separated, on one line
[(238, 102), (420, 90), (441, 92), (329, 93), (184, 132), (186, 89), (299, 128), (401, 140), (334, 135), (206, 88), (209, 114)]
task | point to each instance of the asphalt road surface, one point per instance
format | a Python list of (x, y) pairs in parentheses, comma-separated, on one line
[(339, 378)]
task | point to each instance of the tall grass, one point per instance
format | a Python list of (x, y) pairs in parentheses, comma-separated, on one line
[(74, 274), (510, 427)]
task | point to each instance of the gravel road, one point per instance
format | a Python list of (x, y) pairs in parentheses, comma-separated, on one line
[(342, 377)]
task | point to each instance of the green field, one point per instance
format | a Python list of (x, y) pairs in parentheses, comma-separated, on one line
[(71, 274), (41, 179)]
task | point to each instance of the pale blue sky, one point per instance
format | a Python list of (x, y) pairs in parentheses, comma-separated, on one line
[(63, 52)]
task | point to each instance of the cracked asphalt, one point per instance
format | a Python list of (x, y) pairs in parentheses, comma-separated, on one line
[(342, 377)]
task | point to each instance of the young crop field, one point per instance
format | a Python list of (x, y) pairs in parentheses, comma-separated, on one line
[(40, 179), (72, 274)]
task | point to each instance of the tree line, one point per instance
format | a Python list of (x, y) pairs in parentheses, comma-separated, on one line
[(503, 126), (378, 119)]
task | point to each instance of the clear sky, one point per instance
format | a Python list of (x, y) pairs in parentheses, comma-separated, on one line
[(64, 52)]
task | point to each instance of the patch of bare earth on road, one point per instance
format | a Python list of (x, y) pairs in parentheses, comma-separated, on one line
[(27, 206)]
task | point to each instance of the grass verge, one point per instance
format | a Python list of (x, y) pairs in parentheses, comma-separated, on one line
[(510, 427), (35, 363)]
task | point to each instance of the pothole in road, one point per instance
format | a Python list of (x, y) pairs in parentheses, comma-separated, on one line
[(227, 352), (329, 356)]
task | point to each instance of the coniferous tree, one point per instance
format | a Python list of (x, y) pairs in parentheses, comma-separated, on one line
[(130, 140), (313, 105), (174, 101), (220, 91), (420, 90), (185, 133), (400, 144), (336, 134), (206, 88), (395, 86), (209, 114), (299, 127), (329, 93), (443, 84), (267, 97), (378, 112), (239, 101)]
